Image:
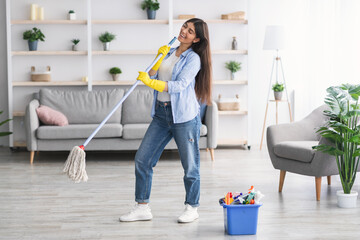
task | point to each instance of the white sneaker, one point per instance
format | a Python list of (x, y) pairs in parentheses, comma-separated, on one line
[(190, 214), (140, 212)]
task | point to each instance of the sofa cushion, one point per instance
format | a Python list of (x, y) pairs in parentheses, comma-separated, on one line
[(137, 107), (296, 150), (137, 131), (76, 131), (50, 116), (84, 107)]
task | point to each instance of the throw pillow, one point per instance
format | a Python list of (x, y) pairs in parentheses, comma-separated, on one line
[(50, 116)]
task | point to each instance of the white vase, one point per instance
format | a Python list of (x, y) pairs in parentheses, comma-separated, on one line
[(72, 16), (346, 200)]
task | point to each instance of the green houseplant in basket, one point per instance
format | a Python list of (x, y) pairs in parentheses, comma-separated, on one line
[(33, 36), (278, 90), (106, 38), (343, 132), (115, 71), (151, 6), (234, 67), (2, 123)]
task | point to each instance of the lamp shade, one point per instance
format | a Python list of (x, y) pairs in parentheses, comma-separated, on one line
[(274, 38)]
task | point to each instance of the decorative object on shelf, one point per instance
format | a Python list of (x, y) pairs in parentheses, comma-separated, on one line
[(274, 40), (186, 16), (115, 72), (40, 13), (240, 15), (234, 67), (151, 7), (343, 132), (33, 36), (75, 43), (33, 11), (106, 38), (41, 75), (229, 104), (234, 44), (84, 79), (72, 15), (278, 90), (2, 134)]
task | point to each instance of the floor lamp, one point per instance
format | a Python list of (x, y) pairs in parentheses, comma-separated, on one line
[(274, 40)]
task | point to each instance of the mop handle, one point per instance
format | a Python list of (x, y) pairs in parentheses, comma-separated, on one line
[(123, 98)]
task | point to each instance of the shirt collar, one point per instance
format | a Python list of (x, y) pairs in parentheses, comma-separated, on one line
[(184, 54)]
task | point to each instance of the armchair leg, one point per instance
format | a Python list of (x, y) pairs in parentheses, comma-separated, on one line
[(32, 157), (329, 180), (212, 154), (318, 187), (282, 179)]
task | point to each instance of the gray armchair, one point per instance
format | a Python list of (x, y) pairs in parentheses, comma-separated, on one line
[(290, 149)]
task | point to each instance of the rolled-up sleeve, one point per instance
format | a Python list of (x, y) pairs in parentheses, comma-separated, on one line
[(187, 74)]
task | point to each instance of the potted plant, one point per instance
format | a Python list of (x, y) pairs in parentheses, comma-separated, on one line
[(151, 7), (106, 38), (33, 36), (115, 71), (72, 15), (2, 134), (342, 129), (278, 90), (234, 67), (75, 42)]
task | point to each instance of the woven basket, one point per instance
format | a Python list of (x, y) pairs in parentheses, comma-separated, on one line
[(229, 104), (41, 76)]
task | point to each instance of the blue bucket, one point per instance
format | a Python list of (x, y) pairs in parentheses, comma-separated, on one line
[(241, 219)]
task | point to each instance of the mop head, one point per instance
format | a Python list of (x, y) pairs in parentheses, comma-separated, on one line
[(75, 165)]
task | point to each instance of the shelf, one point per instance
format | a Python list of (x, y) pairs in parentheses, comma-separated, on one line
[(243, 52), (230, 82), (19, 144), (114, 83), (57, 83), (232, 142), (241, 112), (48, 53), (125, 52), (278, 100), (54, 21), (215, 21), (18, 114), (130, 21)]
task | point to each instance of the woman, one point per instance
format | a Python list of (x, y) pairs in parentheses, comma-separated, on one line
[(185, 80)]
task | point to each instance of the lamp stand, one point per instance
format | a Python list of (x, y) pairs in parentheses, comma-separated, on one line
[(276, 62)]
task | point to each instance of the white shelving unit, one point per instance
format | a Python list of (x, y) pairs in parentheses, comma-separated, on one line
[(89, 53)]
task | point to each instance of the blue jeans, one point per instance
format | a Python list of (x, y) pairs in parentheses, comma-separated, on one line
[(160, 132)]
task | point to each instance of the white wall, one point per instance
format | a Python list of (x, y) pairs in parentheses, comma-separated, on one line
[(322, 49)]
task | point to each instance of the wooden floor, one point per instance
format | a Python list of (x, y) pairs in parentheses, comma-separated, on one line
[(38, 202)]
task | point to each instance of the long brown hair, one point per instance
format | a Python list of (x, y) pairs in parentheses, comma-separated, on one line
[(203, 79)]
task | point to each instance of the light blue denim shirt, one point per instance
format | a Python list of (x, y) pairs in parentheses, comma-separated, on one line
[(181, 88)]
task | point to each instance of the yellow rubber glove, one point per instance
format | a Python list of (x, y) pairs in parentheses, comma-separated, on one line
[(158, 85), (164, 51)]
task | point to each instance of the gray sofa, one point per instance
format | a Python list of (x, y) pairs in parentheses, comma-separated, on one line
[(85, 110)]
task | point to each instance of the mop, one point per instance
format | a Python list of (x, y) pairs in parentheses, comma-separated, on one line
[(75, 163)]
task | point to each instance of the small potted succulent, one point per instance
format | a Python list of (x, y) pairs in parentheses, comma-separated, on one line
[(278, 90), (75, 43), (33, 36), (72, 15), (106, 38), (234, 67), (2, 134), (115, 72), (151, 6)]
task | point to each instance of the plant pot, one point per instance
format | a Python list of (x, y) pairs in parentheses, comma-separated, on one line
[(32, 45), (346, 200), (106, 46), (278, 95), (72, 16), (115, 77), (232, 75), (151, 14), (74, 47)]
